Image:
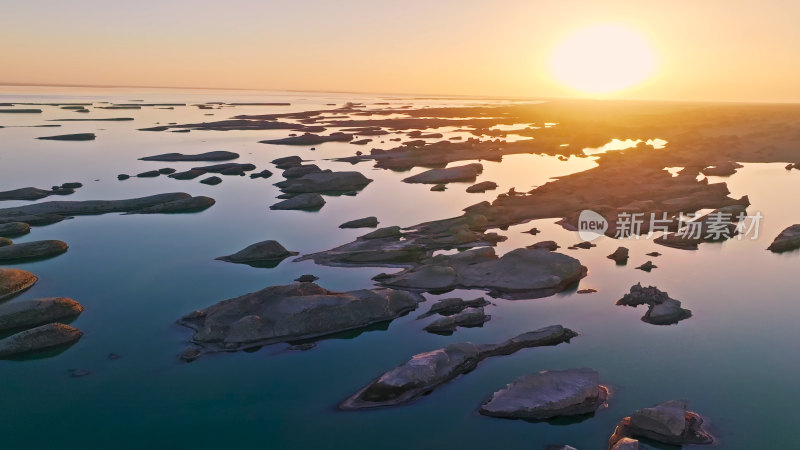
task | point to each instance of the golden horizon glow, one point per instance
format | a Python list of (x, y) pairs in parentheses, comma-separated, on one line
[(603, 59)]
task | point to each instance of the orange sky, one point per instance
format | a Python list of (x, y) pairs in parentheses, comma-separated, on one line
[(708, 50)]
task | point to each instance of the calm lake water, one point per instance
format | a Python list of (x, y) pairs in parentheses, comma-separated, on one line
[(734, 360)]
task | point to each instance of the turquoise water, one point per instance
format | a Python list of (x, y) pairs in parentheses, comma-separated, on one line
[(734, 360)]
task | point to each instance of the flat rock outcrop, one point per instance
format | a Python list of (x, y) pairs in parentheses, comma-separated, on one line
[(32, 193), (424, 372), (183, 205), (469, 317), (266, 251), (188, 174), (468, 172), (787, 240), (548, 394), (311, 139), (482, 187), (366, 222), (520, 273), (32, 250), (172, 202), (662, 310), (70, 137), (14, 282), (307, 201), (293, 312), (227, 168), (207, 156), (52, 335), (31, 313), (669, 423), (14, 229), (326, 181), (454, 305)]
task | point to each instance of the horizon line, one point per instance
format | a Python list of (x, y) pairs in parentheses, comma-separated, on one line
[(445, 96)]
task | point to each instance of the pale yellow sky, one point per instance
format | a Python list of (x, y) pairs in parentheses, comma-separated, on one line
[(730, 50)]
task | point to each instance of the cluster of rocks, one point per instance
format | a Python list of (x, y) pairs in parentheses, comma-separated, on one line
[(662, 310), (304, 184), (424, 372), (520, 273), (36, 324), (669, 423)]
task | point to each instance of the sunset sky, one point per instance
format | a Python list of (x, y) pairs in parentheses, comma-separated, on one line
[(729, 50)]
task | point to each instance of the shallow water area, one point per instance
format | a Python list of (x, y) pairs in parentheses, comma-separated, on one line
[(137, 274)]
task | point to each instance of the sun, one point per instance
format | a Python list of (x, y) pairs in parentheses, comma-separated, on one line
[(603, 59)]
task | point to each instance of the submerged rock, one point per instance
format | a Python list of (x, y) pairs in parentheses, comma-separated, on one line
[(32, 313), (662, 310), (366, 222), (787, 240), (620, 255), (450, 306), (467, 172), (266, 251), (32, 250), (669, 423), (520, 273), (208, 156), (325, 182), (14, 229), (424, 372), (469, 317), (44, 337), (308, 201), (15, 281), (548, 394), (293, 312)]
